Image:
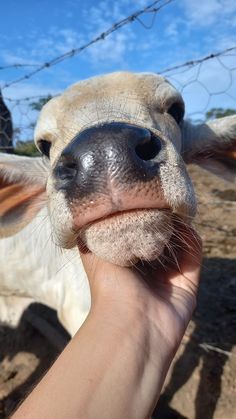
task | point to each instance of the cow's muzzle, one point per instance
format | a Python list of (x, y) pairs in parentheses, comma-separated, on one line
[(120, 151)]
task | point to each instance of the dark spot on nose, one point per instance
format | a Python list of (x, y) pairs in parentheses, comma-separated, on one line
[(66, 169), (148, 149)]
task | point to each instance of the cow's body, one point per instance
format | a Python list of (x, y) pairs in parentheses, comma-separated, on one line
[(33, 268)]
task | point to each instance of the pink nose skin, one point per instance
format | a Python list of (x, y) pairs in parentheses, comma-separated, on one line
[(141, 196)]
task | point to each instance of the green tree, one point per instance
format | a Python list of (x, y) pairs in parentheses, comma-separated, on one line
[(26, 148), (37, 106), (216, 113)]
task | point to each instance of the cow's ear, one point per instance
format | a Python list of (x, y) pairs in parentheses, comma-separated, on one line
[(22, 191), (212, 146)]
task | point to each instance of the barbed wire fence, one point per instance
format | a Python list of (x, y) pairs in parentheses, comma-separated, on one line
[(188, 78), (201, 80)]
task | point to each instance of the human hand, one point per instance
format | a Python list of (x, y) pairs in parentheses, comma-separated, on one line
[(159, 300), (166, 290)]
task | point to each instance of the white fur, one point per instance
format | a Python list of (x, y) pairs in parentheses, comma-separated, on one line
[(33, 267)]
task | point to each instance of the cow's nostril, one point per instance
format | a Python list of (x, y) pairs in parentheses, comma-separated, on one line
[(149, 149), (66, 170)]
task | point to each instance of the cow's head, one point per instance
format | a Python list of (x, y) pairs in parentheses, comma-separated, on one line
[(117, 147)]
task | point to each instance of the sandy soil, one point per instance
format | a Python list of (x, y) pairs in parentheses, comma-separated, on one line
[(202, 381)]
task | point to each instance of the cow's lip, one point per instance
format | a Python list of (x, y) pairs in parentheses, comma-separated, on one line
[(80, 242), (114, 203), (122, 213)]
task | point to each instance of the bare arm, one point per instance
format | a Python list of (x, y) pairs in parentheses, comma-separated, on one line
[(116, 364)]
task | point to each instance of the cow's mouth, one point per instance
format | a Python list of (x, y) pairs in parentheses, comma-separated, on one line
[(115, 204), (125, 237), (123, 213)]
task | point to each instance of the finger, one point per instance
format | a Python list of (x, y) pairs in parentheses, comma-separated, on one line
[(105, 279), (191, 252), (189, 259)]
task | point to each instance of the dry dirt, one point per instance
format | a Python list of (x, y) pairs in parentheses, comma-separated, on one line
[(202, 381)]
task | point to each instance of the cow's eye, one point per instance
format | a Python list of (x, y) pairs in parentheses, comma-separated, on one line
[(177, 112), (44, 146)]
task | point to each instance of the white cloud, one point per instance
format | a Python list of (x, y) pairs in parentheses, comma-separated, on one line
[(207, 12), (38, 48), (28, 89), (115, 46), (115, 49), (112, 50), (56, 42), (10, 58), (172, 29)]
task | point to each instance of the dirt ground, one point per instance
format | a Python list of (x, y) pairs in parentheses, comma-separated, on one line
[(202, 381)]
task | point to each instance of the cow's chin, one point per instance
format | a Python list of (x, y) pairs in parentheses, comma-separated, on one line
[(128, 237)]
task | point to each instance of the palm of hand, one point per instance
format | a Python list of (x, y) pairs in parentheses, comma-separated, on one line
[(168, 294)]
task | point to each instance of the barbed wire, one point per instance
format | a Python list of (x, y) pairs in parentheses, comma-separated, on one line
[(187, 64), (25, 99), (101, 37), (17, 65), (192, 82), (190, 78), (193, 63)]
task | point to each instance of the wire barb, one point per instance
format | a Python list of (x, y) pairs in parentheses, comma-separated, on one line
[(75, 51)]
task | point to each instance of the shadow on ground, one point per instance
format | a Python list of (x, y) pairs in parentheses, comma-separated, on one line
[(25, 355), (214, 323)]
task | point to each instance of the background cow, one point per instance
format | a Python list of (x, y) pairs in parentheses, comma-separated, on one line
[(6, 127)]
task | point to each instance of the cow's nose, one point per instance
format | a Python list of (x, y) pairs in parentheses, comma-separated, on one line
[(121, 151)]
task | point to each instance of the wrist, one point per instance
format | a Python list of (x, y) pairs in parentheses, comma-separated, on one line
[(136, 323), (154, 319), (131, 336)]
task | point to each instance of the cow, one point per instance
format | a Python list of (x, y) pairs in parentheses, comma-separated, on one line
[(112, 180), (6, 127), (32, 266)]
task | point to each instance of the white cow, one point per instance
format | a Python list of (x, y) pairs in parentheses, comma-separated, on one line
[(31, 265), (113, 180)]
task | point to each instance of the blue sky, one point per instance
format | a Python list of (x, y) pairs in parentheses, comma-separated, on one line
[(35, 31)]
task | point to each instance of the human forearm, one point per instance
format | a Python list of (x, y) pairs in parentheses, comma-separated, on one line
[(103, 372), (116, 364)]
